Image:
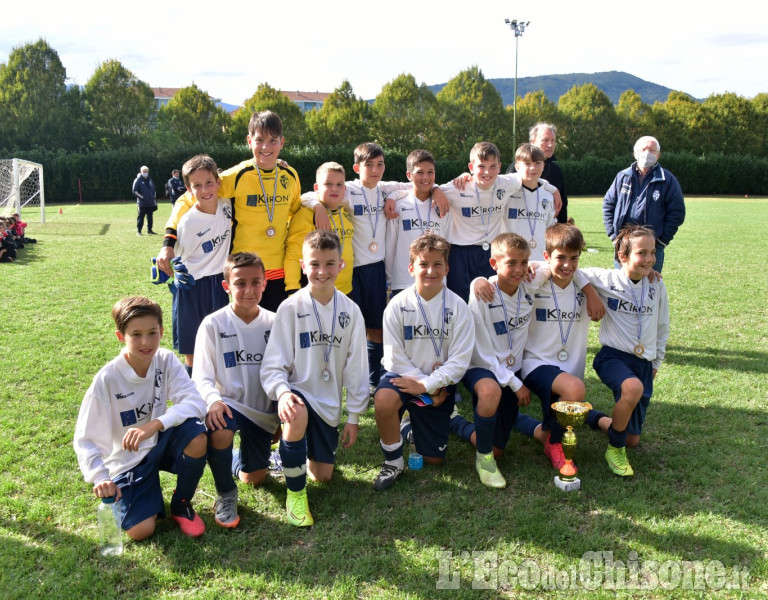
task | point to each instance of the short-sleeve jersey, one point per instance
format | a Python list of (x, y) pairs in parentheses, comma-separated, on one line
[(203, 239), (528, 213)]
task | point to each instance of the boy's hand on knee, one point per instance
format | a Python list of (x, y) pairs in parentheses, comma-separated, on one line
[(523, 396), (288, 407), (349, 435), (440, 397), (409, 386), (107, 489), (215, 417)]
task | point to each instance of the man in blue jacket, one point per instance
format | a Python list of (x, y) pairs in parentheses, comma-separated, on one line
[(645, 194), (144, 190)]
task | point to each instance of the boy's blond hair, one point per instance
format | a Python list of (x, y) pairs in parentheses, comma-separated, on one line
[(562, 236), (484, 151), (428, 242), (135, 306), (242, 259), (503, 243), (265, 122), (199, 162), (328, 167), (528, 153)]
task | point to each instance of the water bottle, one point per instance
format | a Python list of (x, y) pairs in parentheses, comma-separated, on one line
[(110, 532), (415, 460)]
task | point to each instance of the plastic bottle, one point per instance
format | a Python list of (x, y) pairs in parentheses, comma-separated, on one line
[(110, 532), (415, 460)]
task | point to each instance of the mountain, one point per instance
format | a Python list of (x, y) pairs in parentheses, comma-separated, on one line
[(613, 83)]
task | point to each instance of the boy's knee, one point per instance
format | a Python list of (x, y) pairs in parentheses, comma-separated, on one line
[(219, 439), (632, 389), (386, 400), (632, 440), (433, 460), (197, 447), (488, 395), (570, 388), (142, 530), (253, 478)]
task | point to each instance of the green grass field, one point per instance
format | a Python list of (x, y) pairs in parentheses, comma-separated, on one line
[(699, 494)]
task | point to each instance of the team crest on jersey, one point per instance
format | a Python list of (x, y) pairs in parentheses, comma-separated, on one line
[(529, 299), (656, 195), (266, 335), (651, 292), (500, 193), (227, 212), (544, 203), (284, 181), (448, 316), (580, 298), (158, 378), (344, 320)]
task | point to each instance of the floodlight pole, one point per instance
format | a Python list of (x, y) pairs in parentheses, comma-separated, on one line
[(518, 27)]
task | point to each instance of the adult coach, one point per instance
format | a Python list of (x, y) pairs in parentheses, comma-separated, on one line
[(645, 194), (144, 190), (544, 136)]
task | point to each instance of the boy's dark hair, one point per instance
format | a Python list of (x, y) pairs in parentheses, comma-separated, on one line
[(199, 162), (416, 157), (484, 151), (267, 123), (131, 307), (428, 242), (322, 239), (529, 153), (367, 151), (627, 236), (242, 259), (562, 236), (504, 242)]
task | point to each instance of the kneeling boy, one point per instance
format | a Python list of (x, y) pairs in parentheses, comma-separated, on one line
[(126, 433)]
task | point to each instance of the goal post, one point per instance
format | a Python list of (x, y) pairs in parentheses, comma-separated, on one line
[(21, 185)]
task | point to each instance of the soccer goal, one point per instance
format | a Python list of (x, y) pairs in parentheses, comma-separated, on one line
[(21, 185)]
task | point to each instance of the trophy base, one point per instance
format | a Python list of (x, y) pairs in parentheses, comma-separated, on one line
[(568, 486)]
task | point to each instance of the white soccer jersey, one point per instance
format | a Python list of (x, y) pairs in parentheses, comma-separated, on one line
[(529, 212), (409, 350), (415, 217), (228, 357), (203, 239), (501, 328), (119, 399), (545, 333), (631, 309), (295, 359)]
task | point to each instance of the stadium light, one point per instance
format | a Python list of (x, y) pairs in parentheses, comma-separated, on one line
[(518, 27)]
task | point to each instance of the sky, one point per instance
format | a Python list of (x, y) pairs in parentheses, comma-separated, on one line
[(314, 46)]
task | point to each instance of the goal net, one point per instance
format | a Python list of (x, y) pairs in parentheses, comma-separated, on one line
[(21, 186)]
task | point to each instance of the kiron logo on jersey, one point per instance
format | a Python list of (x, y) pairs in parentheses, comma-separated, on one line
[(344, 319), (476, 211), (255, 200), (307, 339), (625, 306), (409, 224), (241, 357), (524, 213), (134, 415), (550, 314), (210, 245), (361, 209), (418, 332), (500, 327)]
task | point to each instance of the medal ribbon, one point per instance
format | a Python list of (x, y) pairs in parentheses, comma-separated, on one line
[(270, 211), (418, 212), (327, 349), (510, 337), (482, 217), (338, 229), (531, 223), (374, 224), (438, 349), (638, 307), (563, 339)]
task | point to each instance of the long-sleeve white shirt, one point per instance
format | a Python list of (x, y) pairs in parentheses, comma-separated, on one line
[(294, 357), (228, 357), (119, 399), (409, 350)]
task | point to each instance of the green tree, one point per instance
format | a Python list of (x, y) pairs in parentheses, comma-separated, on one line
[(121, 107), (534, 108), (635, 117), (760, 104), (591, 124), (268, 98), (404, 115), (470, 111), (735, 124), (684, 125), (192, 117), (344, 119), (37, 110)]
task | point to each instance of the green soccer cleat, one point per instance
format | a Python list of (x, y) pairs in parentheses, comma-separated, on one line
[(485, 464), (297, 509), (617, 461)]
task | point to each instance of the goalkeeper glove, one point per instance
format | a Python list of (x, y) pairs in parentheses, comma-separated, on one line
[(156, 275), (181, 276)]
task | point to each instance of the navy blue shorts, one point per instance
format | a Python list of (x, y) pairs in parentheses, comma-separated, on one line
[(322, 439), (431, 424), (142, 496), (369, 291), (508, 411), (466, 263), (540, 381), (255, 442), (274, 294), (191, 306), (614, 367)]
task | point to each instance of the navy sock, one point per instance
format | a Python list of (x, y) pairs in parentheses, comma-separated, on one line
[(188, 473), (294, 457), (220, 462), (405, 430), (375, 354), (556, 432), (593, 418), (188, 369), (392, 455), (526, 424), (484, 427), (462, 428), (617, 439)]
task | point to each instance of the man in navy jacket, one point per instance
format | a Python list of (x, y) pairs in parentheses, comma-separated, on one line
[(645, 194), (144, 190)]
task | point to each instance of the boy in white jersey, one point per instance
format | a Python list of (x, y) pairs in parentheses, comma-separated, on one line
[(126, 432), (477, 215), (531, 209), (633, 333), (329, 191), (230, 348), (556, 348), (428, 340), (415, 216), (315, 349), (202, 246)]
